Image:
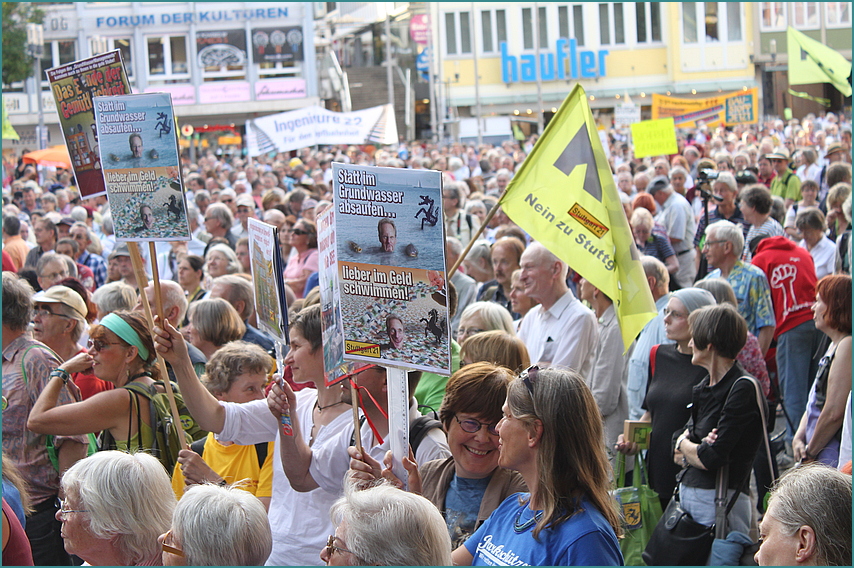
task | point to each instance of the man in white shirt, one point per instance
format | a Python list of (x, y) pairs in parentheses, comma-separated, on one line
[(561, 331), (677, 217)]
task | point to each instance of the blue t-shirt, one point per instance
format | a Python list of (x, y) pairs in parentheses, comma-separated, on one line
[(462, 504), (585, 539)]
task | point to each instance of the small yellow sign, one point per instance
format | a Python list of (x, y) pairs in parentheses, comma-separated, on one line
[(587, 219), (361, 348), (654, 137)]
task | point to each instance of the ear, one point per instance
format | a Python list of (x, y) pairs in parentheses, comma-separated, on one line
[(806, 545), (133, 351), (535, 433)]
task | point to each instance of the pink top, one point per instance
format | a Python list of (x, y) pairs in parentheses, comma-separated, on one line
[(298, 264)]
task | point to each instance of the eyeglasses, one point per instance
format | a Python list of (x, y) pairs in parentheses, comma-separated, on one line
[(63, 512), (710, 243), (529, 376), (170, 548), (473, 426), (331, 548), (468, 331), (42, 312), (229, 200), (297, 231), (55, 275), (674, 314), (99, 345)]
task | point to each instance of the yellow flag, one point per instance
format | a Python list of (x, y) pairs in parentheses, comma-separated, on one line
[(8, 130), (564, 197), (811, 61)]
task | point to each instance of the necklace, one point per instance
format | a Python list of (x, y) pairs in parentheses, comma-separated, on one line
[(520, 528), (320, 409)]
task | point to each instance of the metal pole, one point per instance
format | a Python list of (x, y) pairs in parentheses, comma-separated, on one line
[(538, 69), (440, 95), (476, 79), (431, 79), (35, 37), (389, 75)]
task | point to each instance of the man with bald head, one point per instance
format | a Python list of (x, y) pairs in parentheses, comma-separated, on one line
[(561, 331)]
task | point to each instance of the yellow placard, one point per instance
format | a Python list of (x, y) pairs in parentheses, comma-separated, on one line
[(739, 107), (362, 348), (654, 137)]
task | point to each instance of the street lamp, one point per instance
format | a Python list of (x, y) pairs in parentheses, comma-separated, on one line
[(35, 47)]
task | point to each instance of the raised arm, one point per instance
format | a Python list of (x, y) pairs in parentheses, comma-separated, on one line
[(203, 406)]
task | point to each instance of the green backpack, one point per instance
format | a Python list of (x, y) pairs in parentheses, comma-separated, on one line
[(167, 443), (52, 454)]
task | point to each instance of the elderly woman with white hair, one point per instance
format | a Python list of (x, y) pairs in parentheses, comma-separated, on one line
[(808, 520), (484, 316), (216, 525), (115, 506), (384, 526), (221, 260)]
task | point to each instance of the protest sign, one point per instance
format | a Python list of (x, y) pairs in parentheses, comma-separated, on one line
[(266, 263), (391, 266), (740, 107), (139, 156), (314, 125), (626, 114), (564, 196), (332, 326), (74, 87), (654, 138)]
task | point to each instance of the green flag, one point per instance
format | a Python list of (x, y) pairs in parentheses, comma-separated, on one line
[(810, 61), (8, 130)]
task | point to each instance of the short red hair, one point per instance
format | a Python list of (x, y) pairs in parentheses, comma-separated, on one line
[(835, 292)]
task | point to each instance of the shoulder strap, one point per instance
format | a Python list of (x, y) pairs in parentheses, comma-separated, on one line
[(419, 429), (652, 353), (199, 445), (261, 452), (362, 419), (27, 350), (468, 220)]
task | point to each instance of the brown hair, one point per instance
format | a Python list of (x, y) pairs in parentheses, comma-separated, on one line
[(479, 389), (721, 326), (835, 292), (497, 347), (140, 325)]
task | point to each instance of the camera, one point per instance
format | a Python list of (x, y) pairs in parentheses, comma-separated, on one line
[(708, 175)]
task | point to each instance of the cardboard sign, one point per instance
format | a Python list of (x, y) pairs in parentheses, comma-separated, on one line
[(267, 266)]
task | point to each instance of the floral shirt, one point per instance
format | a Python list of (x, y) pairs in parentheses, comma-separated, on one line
[(753, 294)]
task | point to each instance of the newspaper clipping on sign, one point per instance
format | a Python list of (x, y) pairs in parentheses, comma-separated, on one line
[(391, 267), (139, 155), (74, 87), (265, 259)]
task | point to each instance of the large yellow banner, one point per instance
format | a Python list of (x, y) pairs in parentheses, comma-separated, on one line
[(564, 197), (740, 107)]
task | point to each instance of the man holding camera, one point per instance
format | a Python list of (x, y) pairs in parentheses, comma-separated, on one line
[(724, 190)]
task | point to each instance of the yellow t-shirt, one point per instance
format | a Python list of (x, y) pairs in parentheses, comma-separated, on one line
[(234, 463)]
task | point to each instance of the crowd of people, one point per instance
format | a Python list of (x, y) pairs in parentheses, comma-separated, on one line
[(744, 237)]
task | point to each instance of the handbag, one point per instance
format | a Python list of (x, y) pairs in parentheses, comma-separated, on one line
[(737, 549), (679, 540), (640, 510)]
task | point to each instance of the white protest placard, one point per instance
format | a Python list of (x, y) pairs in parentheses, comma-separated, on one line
[(266, 263), (391, 267), (626, 114), (138, 147), (332, 326)]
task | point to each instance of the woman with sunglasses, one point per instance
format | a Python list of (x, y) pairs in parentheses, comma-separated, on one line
[(120, 351), (215, 525), (820, 431), (301, 265), (115, 505), (552, 434)]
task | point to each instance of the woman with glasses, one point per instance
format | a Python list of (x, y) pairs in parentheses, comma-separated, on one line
[(672, 377), (551, 433), (221, 260), (215, 525), (820, 431), (384, 526), (121, 351), (301, 265), (115, 506)]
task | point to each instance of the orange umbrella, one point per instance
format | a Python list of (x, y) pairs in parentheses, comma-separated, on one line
[(55, 156)]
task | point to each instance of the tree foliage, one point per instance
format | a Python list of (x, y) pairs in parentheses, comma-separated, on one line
[(17, 64)]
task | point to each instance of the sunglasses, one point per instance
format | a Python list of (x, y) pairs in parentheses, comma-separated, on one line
[(99, 345), (473, 426), (298, 231), (529, 377)]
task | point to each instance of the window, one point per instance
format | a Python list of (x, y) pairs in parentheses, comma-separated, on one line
[(648, 21), (222, 54), (805, 14), (167, 57), (543, 24), (838, 14), (772, 16), (56, 53), (577, 12), (123, 45), (527, 29), (493, 29), (457, 33), (721, 21), (451, 33), (609, 13)]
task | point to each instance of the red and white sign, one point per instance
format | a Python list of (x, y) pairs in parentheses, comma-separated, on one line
[(419, 29)]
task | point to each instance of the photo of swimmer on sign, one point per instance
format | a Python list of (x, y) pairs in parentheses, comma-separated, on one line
[(391, 266)]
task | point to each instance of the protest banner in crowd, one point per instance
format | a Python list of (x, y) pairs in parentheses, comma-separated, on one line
[(654, 137), (74, 86), (139, 157), (332, 325), (739, 107), (391, 266), (265, 259)]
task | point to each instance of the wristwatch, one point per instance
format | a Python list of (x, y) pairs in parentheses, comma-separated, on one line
[(62, 374)]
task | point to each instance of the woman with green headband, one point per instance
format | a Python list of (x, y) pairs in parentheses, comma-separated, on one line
[(120, 351)]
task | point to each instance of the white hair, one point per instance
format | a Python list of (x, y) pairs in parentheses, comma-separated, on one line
[(729, 232)]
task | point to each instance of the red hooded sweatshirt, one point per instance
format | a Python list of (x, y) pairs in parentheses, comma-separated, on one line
[(791, 275)]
